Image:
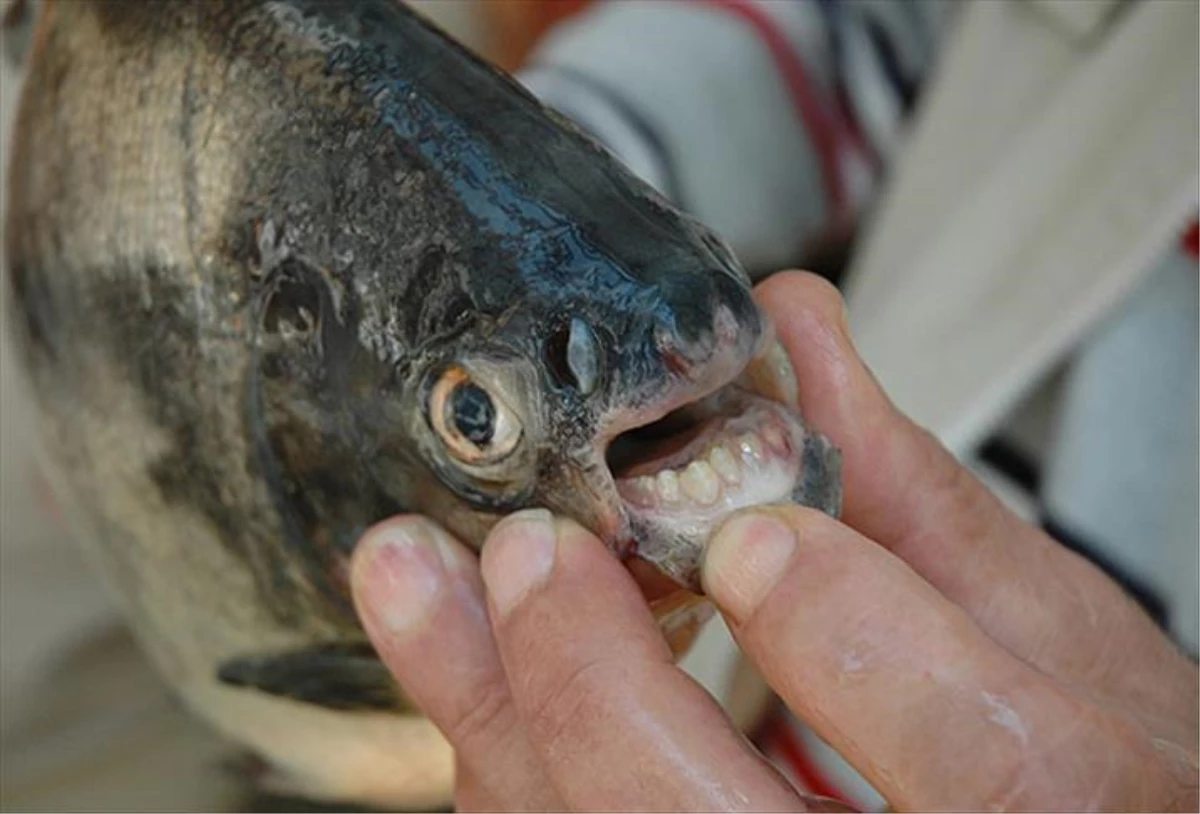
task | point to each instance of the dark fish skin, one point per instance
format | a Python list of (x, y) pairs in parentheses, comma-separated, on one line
[(242, 238)]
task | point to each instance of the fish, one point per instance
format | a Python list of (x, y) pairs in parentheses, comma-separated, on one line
[(280, 269)]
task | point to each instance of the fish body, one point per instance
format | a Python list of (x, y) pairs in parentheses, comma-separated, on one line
[(280, 269)]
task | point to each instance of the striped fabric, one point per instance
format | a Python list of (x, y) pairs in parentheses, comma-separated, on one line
[(769, 121)]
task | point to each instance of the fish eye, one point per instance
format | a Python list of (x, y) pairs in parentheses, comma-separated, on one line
[(474, 424)]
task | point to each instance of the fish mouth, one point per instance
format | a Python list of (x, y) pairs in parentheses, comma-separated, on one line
[(743, 444)]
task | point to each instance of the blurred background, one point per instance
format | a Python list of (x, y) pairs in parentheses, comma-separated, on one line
[(1005, 191)]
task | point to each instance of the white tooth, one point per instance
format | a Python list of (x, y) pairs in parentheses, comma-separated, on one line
[(750, 446), (640, 490), (774, 438), (725, 465), (700, 483), (784, 374), (771, 375), (668, 486)]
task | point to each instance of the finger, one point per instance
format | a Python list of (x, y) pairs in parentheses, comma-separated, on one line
[(617, 724), (469, 793), (905, 491), (903, 684), (419, 595)]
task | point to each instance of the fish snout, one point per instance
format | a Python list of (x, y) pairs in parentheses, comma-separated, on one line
[(710, 329)]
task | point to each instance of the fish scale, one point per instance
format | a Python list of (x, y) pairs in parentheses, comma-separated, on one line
[(256, 250)]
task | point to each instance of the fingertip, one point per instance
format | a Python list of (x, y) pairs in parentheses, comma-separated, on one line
[(377, 540), (374, 543), (518, 557), (398, 572), (572, 533), (584, 559), (377, 535), (750, 552), (839, 395), (809, 317), (744, 559), (789, 293)]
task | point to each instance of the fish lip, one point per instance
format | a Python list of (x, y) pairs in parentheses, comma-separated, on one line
[(724, 368), (726, 364), (817, 484), (762, 442), (755, 382)]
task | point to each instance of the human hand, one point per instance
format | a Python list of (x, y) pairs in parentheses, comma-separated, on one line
[(958, 657)]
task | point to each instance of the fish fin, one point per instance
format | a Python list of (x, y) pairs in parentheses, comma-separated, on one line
[(336, 675), (273, 788)]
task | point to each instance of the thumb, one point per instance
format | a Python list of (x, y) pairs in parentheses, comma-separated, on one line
[(894, 676)]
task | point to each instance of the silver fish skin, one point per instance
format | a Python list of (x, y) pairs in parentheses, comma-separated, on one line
[(280, 269)]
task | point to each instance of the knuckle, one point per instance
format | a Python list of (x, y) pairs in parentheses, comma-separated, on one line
[(469, 795), (1094, 760), (481, 721), (953, 492), (572, 702)]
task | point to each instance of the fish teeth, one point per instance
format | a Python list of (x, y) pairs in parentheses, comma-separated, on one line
[(750, 446), (775, 439), (783, 375), (700, 483), (641, 491), (725, 465), (667, 484), (772, 375)]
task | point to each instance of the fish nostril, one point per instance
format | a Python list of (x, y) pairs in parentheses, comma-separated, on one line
[(572, 356), (583, 355), (717, 313)]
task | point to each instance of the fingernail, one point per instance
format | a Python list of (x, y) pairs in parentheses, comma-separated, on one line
[(745, 558), (518, 557), (401, 573)]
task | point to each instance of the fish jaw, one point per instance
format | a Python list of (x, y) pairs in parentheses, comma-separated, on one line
[(764, 455), (661, 477)]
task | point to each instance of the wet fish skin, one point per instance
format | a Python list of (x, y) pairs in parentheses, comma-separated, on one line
[(243, 238)]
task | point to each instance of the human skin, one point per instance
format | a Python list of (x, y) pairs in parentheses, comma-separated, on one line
[(957, 656)]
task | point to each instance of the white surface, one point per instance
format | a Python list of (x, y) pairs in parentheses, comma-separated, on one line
[(1132, 492), (1079, 18), (1043, 182)]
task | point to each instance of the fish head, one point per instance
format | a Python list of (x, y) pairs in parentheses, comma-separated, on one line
[(645, 400), (524, 323)]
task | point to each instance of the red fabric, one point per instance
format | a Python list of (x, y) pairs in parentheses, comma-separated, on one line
[(782, 740), (825, 129), (1191, 239)]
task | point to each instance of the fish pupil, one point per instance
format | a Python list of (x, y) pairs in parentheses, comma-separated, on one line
[(474, 414)]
